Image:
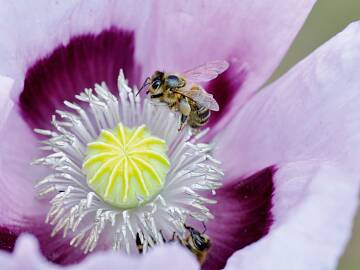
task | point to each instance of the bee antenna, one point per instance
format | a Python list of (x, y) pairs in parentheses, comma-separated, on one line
[(203, 223), (146, 83)]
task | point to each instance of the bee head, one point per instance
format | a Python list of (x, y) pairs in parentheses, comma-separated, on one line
[(156, 81), (200, 240)]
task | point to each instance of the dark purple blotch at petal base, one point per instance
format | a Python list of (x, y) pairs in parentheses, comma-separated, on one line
[(69, 69), (7, 238), (225, 88), (56, 249), (242, 216)]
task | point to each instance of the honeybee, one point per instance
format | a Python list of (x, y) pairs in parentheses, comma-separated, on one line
[(198, 243), (181, 92)]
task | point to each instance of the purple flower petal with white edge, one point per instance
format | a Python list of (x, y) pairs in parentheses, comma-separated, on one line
[(288, 155), (307, 232), (253, 53), (306, 124), (242, 215)]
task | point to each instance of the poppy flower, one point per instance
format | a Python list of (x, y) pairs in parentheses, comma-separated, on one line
[(271, 182)]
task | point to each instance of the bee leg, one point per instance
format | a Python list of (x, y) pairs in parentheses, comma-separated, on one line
[(173, 237), (184, 107), (139, 245), (185, 110), (204, 225), (182, 121), (162, 236)]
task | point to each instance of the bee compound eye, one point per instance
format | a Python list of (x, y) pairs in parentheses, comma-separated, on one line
[(173, 81), (156, 84)]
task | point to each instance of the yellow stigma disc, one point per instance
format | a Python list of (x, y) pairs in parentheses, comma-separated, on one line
[(126, 167)]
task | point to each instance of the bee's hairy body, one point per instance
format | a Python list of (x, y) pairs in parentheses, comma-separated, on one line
[(198, 243), (171, 98), (163, 88)]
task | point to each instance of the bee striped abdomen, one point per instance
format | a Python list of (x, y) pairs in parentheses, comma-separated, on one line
[(204, 114), (199, 116)]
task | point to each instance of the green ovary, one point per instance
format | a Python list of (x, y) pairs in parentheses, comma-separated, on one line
[(126, 167)]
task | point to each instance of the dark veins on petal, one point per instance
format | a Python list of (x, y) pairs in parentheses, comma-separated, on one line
[(225, 87), (84, 61), (242, 216)]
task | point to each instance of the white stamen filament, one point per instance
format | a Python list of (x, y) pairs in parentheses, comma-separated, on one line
[(81, 214)]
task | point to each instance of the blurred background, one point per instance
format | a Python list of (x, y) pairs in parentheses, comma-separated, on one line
[(326, 19)]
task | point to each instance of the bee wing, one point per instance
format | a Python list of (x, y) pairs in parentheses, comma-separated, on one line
[(206, 72), (200, 96)]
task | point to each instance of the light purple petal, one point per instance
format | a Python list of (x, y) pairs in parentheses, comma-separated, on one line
[(27, 256), (307, 125), (46, 25), (20, 211), (6, 84), (17, 149), (314, 232), (311, 113)]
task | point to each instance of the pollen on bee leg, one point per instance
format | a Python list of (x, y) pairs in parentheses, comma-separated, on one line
[(120, 173)]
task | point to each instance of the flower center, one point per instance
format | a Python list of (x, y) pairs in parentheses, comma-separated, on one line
[(126, 167), (121, 175)]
